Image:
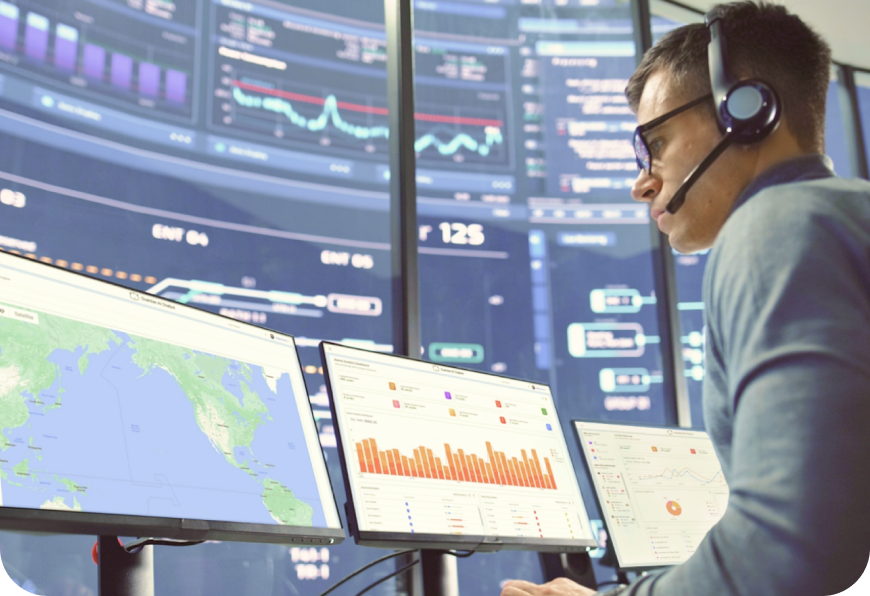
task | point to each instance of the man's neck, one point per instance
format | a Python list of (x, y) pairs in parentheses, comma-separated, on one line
[(779, 147)]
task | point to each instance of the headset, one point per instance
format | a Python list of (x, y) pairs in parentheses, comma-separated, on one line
[(747, 111)]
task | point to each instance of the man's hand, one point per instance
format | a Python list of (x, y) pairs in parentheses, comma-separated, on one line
[(557, 587)]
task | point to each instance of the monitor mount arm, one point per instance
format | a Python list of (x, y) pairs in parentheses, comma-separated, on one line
[(123, 573)]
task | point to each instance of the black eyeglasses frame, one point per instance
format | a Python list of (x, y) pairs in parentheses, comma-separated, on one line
[(644, 162)]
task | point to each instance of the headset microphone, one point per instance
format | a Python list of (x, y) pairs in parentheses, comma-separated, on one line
[(746, 111), (680, 196)]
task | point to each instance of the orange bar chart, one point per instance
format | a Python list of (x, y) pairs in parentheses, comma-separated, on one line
[(457, 465)]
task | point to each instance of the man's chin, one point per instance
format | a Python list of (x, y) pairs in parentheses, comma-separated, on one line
[(685, 244)]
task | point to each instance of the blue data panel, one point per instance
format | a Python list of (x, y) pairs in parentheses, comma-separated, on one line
[(229, 155), (534, 260), (862, 81), (835, 133), (690, 306)]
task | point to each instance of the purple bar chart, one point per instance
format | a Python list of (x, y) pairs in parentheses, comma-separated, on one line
[(36, 37), (94, 61), (176, 86), (66, 45), (149, 79), (119, 67), (8, 25), (122, 71)]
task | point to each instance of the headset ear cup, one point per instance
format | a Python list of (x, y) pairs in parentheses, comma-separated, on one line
[(753, 108)]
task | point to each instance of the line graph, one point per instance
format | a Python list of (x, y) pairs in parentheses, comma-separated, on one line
[(675, 474), (330, 114), (443, 139), (462, 140)]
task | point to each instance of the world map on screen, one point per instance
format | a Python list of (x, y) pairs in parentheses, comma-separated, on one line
[(97, 420)]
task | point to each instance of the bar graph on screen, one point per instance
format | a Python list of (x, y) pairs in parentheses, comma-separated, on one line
[(97, 55), (455, 464)]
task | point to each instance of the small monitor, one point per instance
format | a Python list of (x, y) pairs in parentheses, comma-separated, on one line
[(128, 414), (441, 457), (660, 490)]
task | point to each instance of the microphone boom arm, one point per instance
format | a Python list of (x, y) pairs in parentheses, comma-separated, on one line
[(680, 196)]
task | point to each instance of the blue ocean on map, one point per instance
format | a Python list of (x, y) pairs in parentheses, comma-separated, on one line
[(130, 443)]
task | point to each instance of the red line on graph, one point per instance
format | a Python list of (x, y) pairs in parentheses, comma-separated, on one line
[(457, 120), (355, 107)]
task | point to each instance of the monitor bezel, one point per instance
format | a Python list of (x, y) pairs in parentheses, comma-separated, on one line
[(478, 543), (588, 470), (21, 519)]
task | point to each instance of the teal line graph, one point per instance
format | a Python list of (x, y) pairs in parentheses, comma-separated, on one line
[(493, 137), (331, 114)]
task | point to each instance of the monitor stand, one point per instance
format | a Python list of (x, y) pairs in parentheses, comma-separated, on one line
[(435, 576), (122, 573)]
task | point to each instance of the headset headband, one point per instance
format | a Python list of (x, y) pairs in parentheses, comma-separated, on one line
[(750, 107), (717, 57), (747, 111)]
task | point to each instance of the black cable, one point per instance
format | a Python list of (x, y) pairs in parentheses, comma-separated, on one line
[(137, 545), (386, 577), (460, 555), (398, 553)]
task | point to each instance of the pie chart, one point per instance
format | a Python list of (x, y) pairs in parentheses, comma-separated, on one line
[(674, 508)]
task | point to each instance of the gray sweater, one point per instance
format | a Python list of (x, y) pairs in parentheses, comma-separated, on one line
[(787, 390)]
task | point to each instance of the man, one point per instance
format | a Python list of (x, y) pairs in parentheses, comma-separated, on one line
[(787, 297)]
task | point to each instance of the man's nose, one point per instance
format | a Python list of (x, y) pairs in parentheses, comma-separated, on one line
[(646, 187)]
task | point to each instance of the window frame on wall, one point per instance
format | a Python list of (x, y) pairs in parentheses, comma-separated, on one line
[(855, 118)]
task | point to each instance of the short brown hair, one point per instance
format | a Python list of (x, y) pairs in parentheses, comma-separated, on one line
[(765, 42)]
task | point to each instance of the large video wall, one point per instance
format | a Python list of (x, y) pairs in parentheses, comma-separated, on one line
[(233, 155)]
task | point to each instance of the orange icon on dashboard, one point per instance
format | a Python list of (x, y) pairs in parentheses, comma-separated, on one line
[(452, 412), (392, 386), (674, 508), (654, 448)]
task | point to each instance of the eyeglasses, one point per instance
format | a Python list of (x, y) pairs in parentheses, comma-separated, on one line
[(641, 150)]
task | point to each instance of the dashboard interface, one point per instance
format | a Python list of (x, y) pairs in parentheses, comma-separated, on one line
[(524, 186), (436, 450), (118, 402), (660, 490), (233, 155)]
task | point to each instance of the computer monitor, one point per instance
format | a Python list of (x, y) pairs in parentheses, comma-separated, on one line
[(440, 457), (660, 490), (124, 413)]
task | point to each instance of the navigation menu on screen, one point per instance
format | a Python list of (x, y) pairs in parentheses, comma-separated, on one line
[(660, 490), (432, 449)]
